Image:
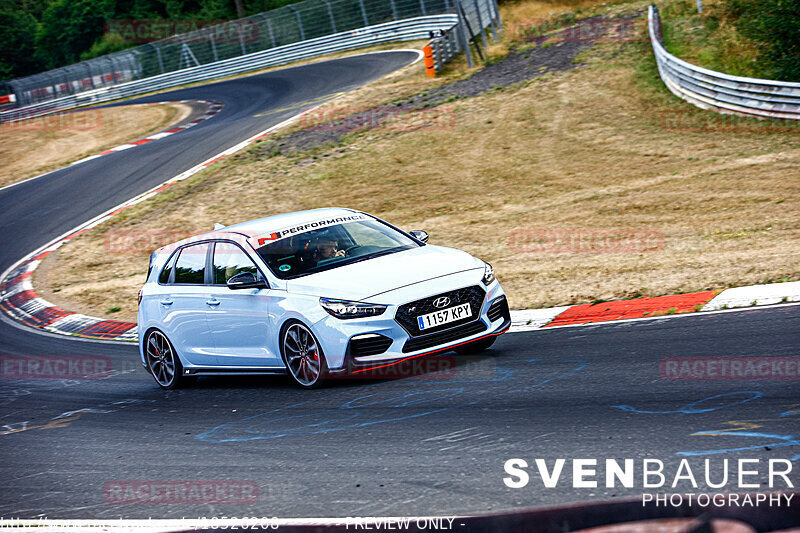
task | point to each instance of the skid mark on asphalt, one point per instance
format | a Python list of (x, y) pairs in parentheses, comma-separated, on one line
[(697, 407), (741, 428), (469, 439), (372, 409), (776, 441), (29, 387), (67, 417)]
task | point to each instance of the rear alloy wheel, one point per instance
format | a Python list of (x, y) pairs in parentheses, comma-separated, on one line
[(476, 347), (162, 361), (303, 356)]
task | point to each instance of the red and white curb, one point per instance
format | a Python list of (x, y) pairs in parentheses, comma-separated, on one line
[(214, 107), (573, 315), (19, 300)]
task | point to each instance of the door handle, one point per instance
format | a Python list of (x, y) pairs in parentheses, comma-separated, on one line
[(165, 302), (212, 302)]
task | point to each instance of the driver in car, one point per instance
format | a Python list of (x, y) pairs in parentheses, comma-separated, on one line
[(327, 248)]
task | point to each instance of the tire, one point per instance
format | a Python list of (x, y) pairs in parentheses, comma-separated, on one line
[(163, 362), (302, 355), (476, 347)]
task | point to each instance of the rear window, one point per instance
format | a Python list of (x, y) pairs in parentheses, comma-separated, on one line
[(190, 268)]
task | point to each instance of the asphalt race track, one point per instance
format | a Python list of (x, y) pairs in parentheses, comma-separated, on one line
[(433, 442)]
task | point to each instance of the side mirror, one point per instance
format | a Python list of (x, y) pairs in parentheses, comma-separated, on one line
[(245, 280), (419, 235)]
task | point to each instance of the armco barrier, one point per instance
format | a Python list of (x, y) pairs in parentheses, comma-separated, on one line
[(721, 92), (403, 30)]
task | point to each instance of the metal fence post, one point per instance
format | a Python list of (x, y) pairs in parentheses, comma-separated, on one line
[(52, 84), (480, 24), (497, 14), (463, 32), (492, 23), (422, 7), (271, 34), (299, 22), (394, 9), (364, 12), (91, 77), (213, 46), (241, 40), (330, 14), (160, 59)]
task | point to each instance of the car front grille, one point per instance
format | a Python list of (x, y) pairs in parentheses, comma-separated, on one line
[(407, 314), (499, 309), (369, 345), (449, 335)]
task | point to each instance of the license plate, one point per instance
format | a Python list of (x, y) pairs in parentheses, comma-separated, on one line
[(444, 316)]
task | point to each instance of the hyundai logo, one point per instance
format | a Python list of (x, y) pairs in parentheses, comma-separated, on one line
[(441, 301)]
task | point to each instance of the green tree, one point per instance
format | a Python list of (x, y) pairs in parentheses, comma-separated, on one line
[(17, 42), (70, 27)]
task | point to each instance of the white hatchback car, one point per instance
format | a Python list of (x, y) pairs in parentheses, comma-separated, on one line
[(313, 293)]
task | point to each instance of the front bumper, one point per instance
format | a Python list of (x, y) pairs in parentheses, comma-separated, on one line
[(386, 342)]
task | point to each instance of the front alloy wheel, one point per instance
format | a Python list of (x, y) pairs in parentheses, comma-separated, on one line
[(162, 361), (302, 355)]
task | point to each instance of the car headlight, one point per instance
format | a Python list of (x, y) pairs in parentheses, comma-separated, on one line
[(345, 309), (488, 274)]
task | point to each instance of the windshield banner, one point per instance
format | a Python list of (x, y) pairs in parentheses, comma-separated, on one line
[(266, 238)]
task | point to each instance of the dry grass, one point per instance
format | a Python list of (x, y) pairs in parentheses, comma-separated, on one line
[(592, 149), (711, 39), (35, 146)]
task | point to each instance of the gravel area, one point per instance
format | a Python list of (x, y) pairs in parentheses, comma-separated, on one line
[(518, 66)]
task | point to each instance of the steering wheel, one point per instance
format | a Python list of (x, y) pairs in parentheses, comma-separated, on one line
[(347, 250)]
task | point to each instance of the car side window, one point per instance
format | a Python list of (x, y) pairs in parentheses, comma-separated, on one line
[(190, 267), (163, 277), (230, 260)]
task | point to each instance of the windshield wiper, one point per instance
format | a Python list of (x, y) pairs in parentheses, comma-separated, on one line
[(378, 254)]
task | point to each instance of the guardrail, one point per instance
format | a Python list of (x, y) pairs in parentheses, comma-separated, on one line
[(445, 45), (472, 22), (402, 30), (722, 92)]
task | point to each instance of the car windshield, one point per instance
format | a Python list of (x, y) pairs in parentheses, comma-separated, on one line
[(331, 247)]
